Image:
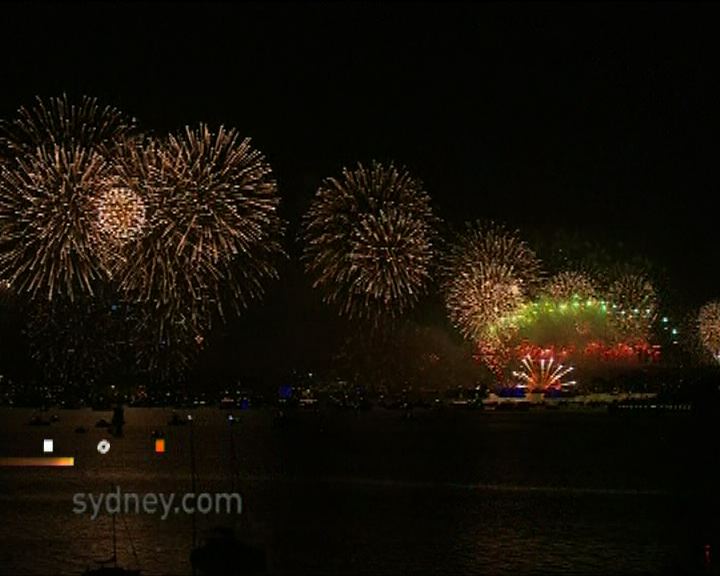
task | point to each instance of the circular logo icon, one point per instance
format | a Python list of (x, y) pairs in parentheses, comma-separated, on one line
[(103, 446)]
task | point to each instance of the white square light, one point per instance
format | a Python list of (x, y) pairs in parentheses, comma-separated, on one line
[(47, 445)]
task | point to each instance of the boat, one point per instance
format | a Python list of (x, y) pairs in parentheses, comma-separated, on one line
[(38, 420), (175, 420), (227, 402)]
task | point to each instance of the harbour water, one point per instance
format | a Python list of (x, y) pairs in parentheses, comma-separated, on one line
[(449, 491)]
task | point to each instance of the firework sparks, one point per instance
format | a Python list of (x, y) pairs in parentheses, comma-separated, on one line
[(58, 161), (495, 354), (212, 228), (709, 328), (58, 122), (570, 284), (479, 297), (542, 374), (634, 306), (78, 343), (489, 274), (46, 246), (548, 321), (368, 241), (165, 342), (120, 214)]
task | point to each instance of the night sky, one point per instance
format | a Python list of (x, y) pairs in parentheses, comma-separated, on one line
[(591, 119)]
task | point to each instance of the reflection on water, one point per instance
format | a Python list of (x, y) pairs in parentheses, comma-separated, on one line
[(462, 492)]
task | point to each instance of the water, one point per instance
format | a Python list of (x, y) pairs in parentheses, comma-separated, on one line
[(451, 492)]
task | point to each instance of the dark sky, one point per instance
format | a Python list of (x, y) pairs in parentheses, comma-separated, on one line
[(597, 119)]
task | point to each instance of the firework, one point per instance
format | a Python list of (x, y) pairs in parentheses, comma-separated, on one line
[(554, 310), (120, 214), (537, 353), (488, 275), (46, 236), (164, 343), (369, 241), (58, 122), (709, 328), (58, 164), (211, 223), (121, 208), (495, 354), (568, 285), (543, 374), (641, 352), (478, 298), (76, 344), (551, 322), (634, 306)]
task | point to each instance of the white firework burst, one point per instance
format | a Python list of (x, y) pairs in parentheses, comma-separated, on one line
[(542, 374)]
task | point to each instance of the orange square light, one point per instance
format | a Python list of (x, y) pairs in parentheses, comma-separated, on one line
[(159, 445)]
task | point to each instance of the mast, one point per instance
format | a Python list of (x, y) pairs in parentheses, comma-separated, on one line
[(193, 479), (114, 556)]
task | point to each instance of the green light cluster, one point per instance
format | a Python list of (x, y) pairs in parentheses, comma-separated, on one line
[(531, 312)]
